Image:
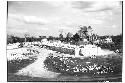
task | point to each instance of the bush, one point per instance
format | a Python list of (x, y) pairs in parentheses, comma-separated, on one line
[(76, 66)]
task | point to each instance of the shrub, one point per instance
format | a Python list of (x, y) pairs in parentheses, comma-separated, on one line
[(78, 67)]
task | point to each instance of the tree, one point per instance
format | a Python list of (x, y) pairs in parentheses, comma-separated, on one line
[(76, 38), (93, 37), (40, 38), (61, 35), (68, 37), (50, 37), (26, 35), (9, 39), (83, 32)]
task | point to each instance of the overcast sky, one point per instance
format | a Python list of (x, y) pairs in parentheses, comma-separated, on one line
[(47, 18)]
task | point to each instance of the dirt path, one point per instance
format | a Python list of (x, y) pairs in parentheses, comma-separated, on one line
[(37, 69)]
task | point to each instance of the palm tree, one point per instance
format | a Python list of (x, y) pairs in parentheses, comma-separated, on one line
[(83, 32)]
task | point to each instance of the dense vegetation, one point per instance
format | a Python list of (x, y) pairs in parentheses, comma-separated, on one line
[(110, 65), (117, 43)]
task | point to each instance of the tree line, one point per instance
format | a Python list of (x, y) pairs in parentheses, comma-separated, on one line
[(84, 32)]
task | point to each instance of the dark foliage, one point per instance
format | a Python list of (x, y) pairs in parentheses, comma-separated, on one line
[(117, 44), (61, 50), (14, 65), (112, 65)]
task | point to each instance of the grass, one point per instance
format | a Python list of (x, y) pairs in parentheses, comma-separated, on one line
[(15, 65), (62, 78), (18, 78)]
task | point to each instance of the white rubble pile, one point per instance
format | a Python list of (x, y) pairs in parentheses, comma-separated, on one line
[(31, 43), (21, 53), (89, 50), (15, 54), (58, 44), (13, 46)]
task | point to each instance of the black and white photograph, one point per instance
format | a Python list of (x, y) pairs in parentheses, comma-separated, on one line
[(64, 41)]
